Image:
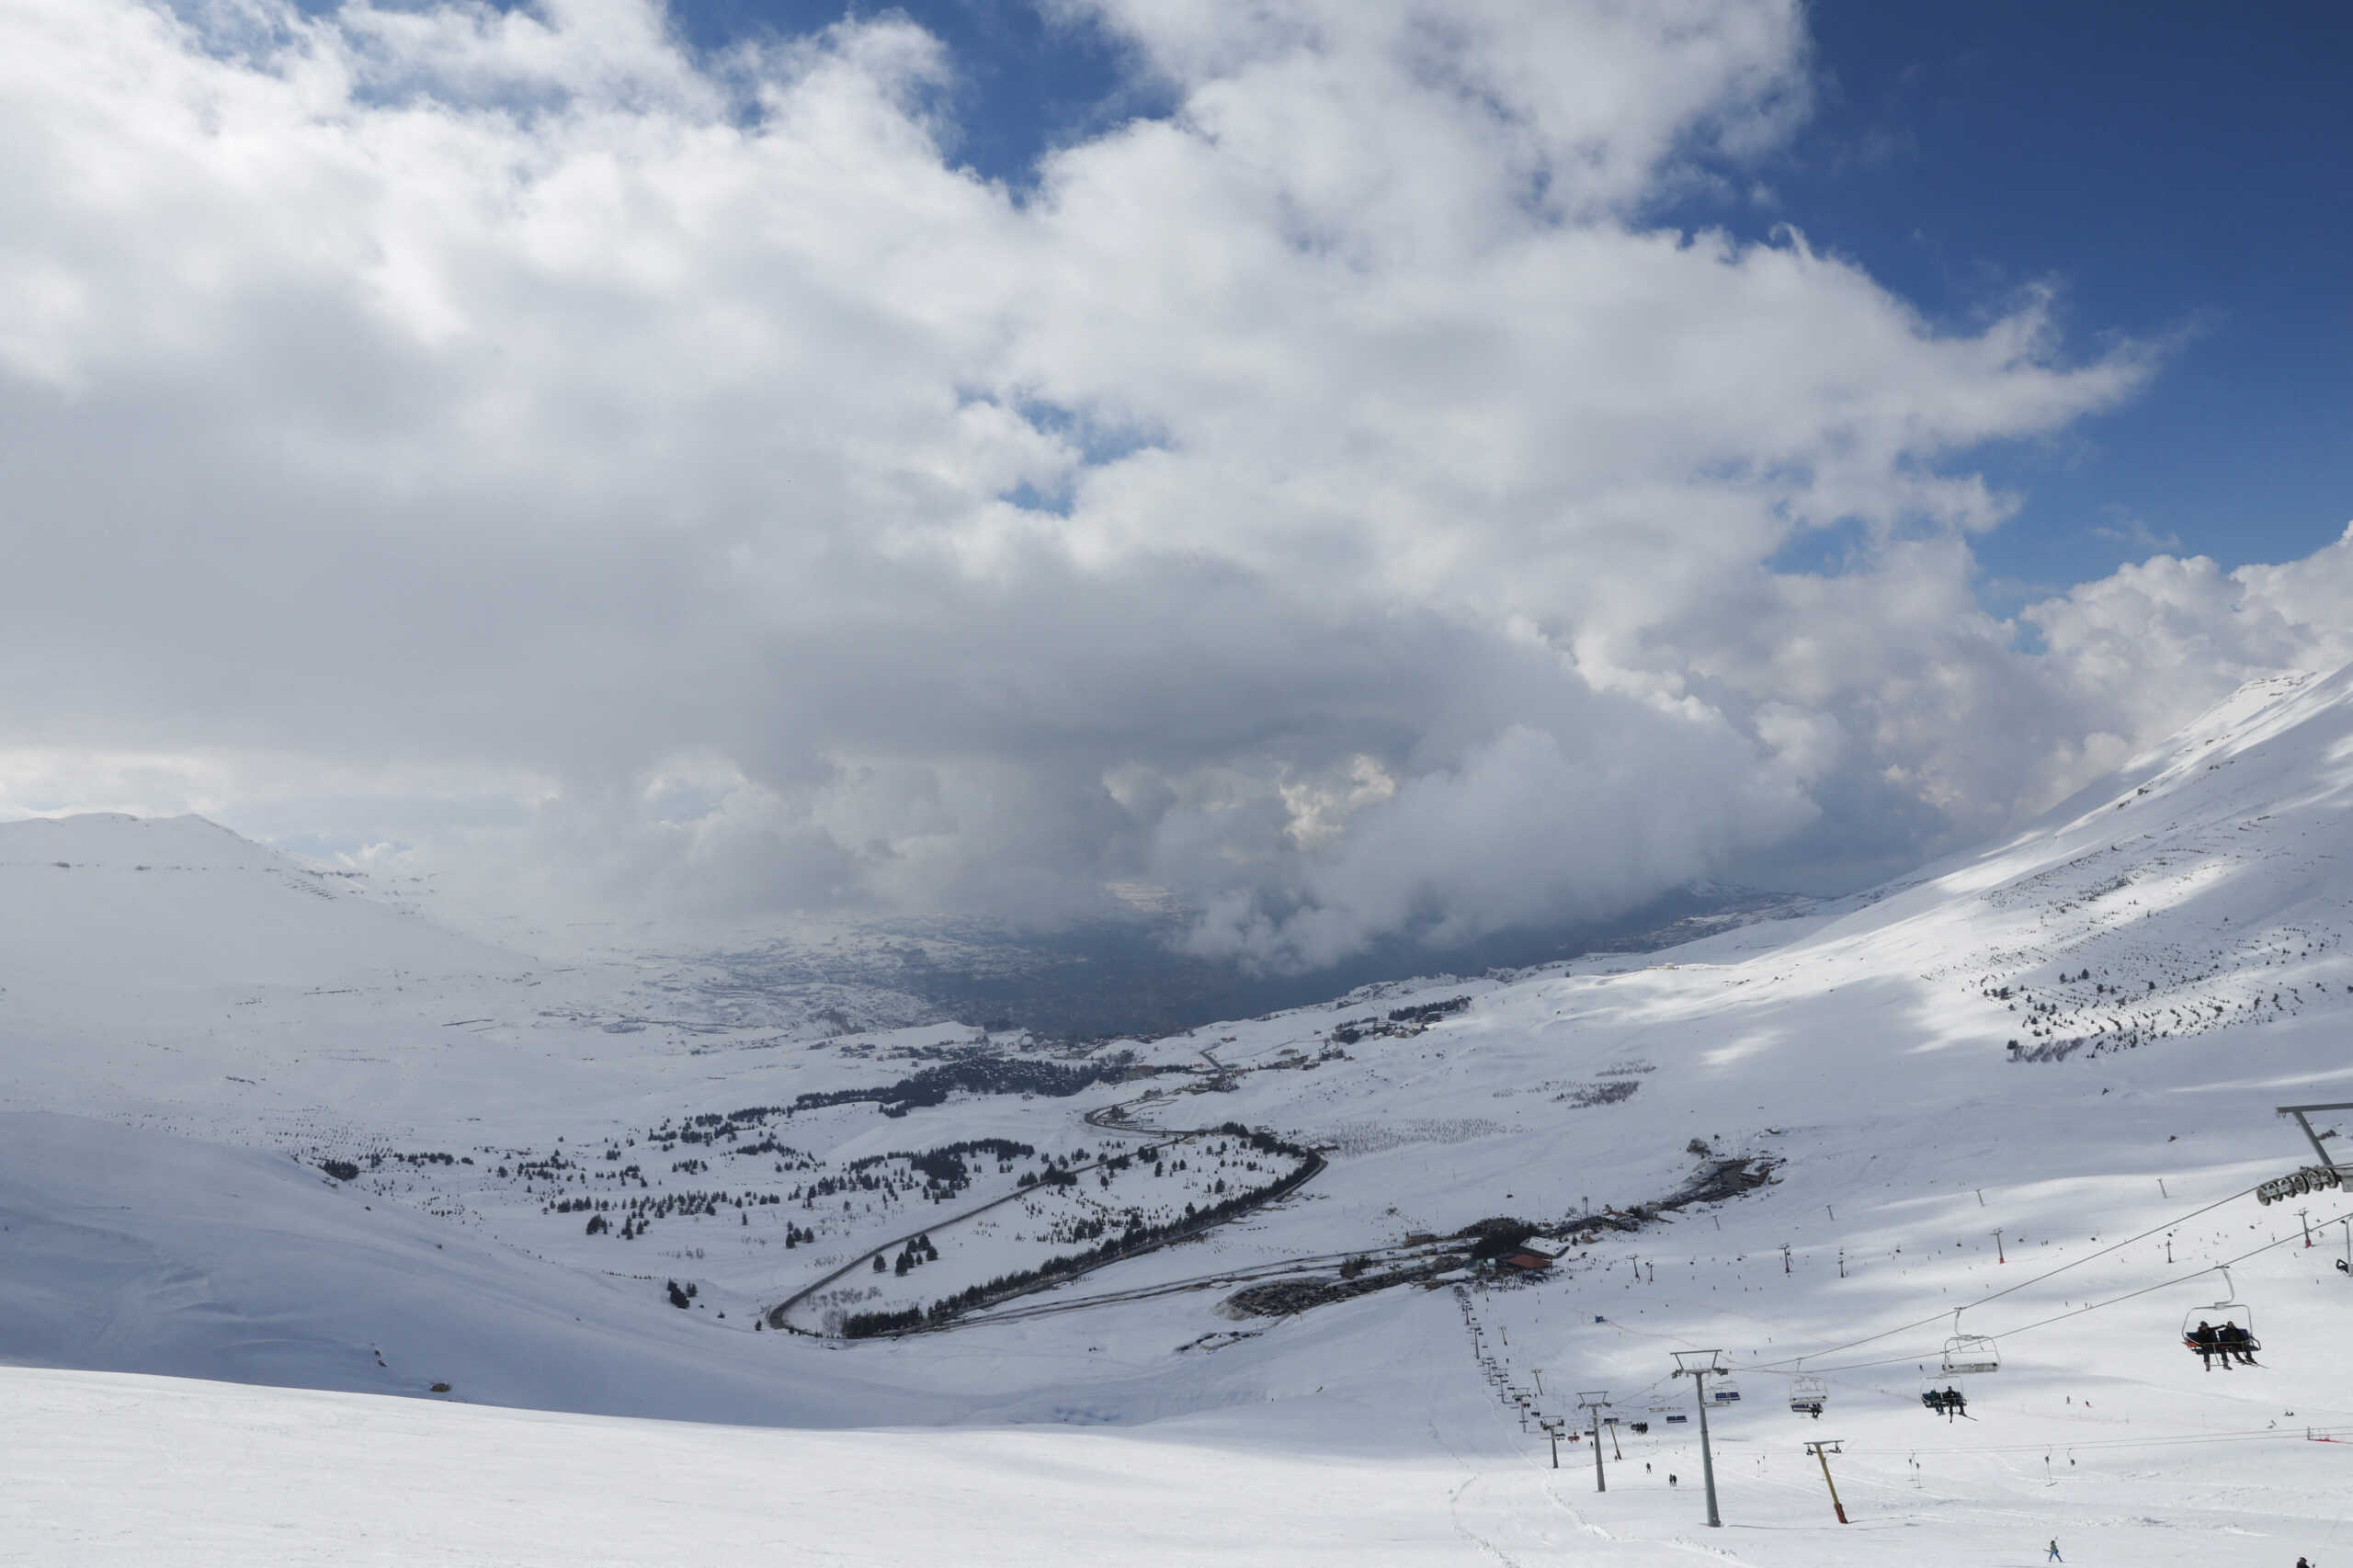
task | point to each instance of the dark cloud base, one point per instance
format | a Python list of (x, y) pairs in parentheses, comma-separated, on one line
[(1107, 979)]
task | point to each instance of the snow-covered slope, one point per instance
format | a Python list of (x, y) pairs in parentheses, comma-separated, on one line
[(2167, 952), (144, 1251), (96, 911), (168, 968)]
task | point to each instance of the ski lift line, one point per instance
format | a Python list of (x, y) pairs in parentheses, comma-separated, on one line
[(2166, 1284), (2092, 1307), (2007, 1290)]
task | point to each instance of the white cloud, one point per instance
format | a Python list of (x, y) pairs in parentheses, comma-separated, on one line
[(1331, 502), (2145, 649)]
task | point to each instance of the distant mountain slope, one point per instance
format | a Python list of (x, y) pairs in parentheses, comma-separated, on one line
[(2206, 885), (101, 908), (138, 1251)]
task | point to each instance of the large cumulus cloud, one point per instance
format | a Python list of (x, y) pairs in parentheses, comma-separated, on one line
[(675, 482)]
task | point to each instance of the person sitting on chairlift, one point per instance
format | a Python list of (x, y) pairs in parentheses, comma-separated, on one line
[(1954, 1403), (2233, 1340), (2206, 1340)]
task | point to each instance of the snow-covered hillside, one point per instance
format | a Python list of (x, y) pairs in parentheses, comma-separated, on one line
[(103, 909), (2031, 1085), (171, 971)]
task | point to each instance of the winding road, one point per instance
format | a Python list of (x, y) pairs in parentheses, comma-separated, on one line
[(1107, 1119)]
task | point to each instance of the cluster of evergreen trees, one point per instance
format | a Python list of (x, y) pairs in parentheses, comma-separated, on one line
[(979, 1075), (1406, 1021), (1428, 1012), (913, 1255), (713, 1128), (945, 1170), (1137, 1237), (638, 1213), (376, 1158), (548, 1168)]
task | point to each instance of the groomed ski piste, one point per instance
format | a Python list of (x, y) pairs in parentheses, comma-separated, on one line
[(1806, 1143)]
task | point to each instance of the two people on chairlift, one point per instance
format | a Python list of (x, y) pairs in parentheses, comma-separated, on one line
[(1946, 1402), (2227, 1340)]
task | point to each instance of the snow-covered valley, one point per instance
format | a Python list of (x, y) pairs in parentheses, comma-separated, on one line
[(538, 1239)]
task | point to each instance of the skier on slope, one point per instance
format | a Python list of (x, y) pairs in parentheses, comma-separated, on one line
[(2054, 1556)]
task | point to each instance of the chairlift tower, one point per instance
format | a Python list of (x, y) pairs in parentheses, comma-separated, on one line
[(1553, 1430), (1699, 1366), (2302, 1113), (1592, 1402), (1823, 1451), (2330, 1172)]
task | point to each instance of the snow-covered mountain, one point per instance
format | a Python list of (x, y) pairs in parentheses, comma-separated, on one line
[(106, 911), (1808, 1140)]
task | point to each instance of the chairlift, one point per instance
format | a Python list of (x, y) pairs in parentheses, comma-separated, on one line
[(2230, 1327), (1725, 1392), (1944, 1396), (1968, 1354), (1807, 1395)]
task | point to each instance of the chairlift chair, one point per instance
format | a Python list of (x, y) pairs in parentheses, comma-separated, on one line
[(2236, 1316), (1725, 1390), (1807, 1395), (1969, 1353), (1936, 1396)]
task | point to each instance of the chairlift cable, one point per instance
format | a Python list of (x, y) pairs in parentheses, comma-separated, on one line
[(2166, 1284), (2007, 1290), (2091, 1307)]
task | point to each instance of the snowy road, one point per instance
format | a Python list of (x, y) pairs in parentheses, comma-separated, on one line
[(1104, 1119)]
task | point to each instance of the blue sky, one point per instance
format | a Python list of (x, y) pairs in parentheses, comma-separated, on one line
[(2181, 175)]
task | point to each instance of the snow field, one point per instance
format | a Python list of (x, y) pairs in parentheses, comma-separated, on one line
[(140, 1470), (1859, 1050)]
